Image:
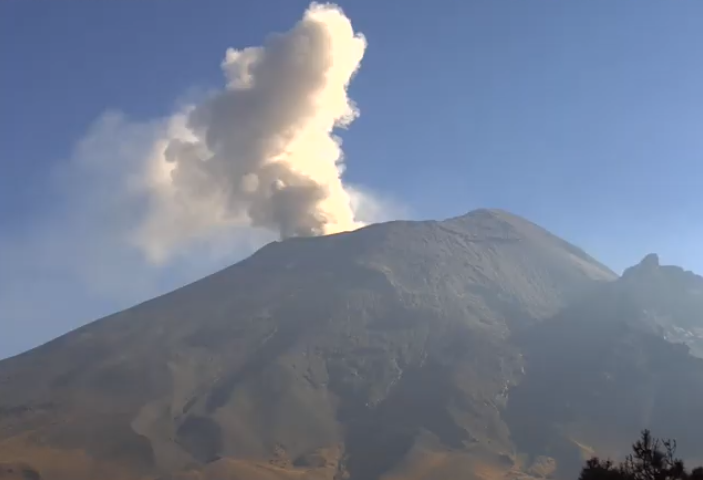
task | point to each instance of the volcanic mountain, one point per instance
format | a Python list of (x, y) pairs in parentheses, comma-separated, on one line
[(477, 347)]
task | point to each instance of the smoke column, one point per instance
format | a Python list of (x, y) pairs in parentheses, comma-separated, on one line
[(262, 152)]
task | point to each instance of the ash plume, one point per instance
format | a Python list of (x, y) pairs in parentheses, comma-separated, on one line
[(261, 152)]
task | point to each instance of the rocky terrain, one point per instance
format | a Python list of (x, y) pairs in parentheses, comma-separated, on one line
[(476, 347)]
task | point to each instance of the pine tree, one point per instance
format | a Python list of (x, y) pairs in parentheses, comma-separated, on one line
[(652, 459)]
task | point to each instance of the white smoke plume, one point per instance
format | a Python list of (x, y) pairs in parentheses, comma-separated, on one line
[(143, 206), (261, 152)]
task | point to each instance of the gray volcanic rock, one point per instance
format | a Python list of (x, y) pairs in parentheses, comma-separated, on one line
[(670, 299), (388, 352), (622, 359)]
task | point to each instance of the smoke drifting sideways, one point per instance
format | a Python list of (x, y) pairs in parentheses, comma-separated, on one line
[(261, 152)]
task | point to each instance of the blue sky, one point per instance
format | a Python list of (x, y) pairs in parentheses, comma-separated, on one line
[(585, 117)]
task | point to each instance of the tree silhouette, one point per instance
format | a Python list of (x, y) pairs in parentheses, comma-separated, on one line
[(652, 459)]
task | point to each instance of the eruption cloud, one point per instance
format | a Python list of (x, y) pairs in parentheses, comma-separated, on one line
[(261, 152)]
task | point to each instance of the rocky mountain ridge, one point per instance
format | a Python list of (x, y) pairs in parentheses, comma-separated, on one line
[(406, 350)]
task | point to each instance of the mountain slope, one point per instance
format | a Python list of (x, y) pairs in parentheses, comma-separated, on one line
[(612, 366), (386, 352), (671, 300)]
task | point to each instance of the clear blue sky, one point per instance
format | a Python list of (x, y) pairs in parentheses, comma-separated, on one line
[(585, 117)]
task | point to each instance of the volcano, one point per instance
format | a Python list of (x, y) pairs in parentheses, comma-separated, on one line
[(481, 346)]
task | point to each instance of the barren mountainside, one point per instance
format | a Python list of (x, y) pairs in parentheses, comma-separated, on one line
[(476, 347)]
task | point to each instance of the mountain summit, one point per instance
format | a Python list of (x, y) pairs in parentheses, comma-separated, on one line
[(404, 350)]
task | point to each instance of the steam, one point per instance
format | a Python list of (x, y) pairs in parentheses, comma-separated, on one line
[(261, 152), (144, 206)]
